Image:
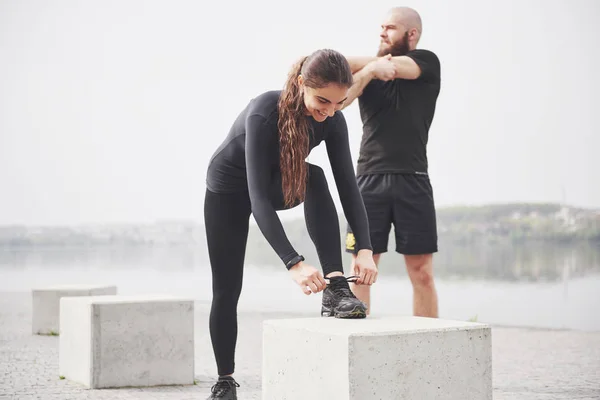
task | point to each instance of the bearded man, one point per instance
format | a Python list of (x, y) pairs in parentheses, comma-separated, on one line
[(397, 93)]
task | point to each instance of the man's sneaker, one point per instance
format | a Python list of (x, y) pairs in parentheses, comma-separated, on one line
[(224, 389), (340, 302)]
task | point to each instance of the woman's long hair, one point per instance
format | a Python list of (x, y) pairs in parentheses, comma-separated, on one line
[(318, 70)]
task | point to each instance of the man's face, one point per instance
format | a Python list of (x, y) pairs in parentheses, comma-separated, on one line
[(394, 37)]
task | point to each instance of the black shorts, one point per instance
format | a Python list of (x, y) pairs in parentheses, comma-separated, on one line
[(405, 200)]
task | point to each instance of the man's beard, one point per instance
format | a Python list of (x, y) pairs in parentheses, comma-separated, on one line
[(397, 49)]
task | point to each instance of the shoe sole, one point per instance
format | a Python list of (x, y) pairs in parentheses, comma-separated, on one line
[(356, 313)]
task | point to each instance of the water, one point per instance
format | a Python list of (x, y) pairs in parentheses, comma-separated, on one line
[(535, 285)]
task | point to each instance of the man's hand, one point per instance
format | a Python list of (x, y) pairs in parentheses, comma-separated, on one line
[(309, 278), (383, 68), (365, 268)]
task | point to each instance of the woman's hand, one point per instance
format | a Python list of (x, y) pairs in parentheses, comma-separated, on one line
[(309, 278), (365, 268)]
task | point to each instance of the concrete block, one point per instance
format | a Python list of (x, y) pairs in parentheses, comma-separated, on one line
[(46, 302), (127, 341), (376, 358)]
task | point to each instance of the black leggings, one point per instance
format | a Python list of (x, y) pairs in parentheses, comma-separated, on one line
[(226, 219)]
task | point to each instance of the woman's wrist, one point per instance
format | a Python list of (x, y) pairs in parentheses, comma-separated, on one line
[(364, 252), (294, 261)]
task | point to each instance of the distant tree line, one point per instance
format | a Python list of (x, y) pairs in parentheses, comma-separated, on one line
[(515, 223)]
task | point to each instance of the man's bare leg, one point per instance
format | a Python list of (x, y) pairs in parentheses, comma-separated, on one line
[(363, 292), (420, 272)]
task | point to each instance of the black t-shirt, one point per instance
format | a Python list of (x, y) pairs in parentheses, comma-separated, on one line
[(396, 117), (248, 160)]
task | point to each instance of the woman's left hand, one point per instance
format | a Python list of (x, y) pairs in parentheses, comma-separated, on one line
[(365, 268)]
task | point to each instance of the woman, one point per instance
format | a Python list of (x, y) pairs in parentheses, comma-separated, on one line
[(261, 168)]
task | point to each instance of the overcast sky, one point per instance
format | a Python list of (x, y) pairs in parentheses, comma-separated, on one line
[(110, 110)]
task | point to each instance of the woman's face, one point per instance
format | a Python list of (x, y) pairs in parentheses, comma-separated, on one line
[(323, 102)]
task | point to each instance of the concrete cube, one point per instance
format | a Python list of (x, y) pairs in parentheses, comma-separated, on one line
[(121, 341), (46, 301), (376, 358)]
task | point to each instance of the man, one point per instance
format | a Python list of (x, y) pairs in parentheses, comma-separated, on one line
[(397, 92)]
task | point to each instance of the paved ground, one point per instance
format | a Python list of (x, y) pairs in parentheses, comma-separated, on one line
[(527, 364)]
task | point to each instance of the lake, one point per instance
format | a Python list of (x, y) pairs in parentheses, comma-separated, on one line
[(535, 285)]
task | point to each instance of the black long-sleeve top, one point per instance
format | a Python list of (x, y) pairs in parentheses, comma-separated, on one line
[(248, 160)]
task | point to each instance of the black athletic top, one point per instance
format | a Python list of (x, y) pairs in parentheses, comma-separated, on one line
[(248, 160), (396, 117)]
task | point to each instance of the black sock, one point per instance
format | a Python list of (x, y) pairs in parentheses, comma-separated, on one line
[(226, 378)]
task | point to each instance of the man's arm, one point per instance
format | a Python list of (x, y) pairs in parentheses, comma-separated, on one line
[(365, 69), (379, 68), (418, 64), (406, 68), (358, 63), (361, 80)]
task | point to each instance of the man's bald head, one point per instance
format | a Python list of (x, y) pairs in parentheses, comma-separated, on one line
[(408, 17), (400, 31)]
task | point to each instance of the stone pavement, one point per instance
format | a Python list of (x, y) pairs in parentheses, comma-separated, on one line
[(527, 363)]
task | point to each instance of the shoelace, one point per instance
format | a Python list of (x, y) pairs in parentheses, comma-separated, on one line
[(222, 387), (352, 278), (339, 285)]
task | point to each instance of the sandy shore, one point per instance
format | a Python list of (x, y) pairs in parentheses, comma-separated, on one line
[(527, 363)]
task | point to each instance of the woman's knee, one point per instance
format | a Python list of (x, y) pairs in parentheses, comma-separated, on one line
[(226, 299), (226, 290)]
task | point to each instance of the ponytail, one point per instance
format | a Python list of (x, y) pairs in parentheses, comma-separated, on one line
[(321, 68), (293, 138)]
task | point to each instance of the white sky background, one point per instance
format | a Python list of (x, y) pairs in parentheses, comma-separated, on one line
[(110, 110)]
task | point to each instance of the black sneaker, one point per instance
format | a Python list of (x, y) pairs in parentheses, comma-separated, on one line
[(340, 302), (224, 389)]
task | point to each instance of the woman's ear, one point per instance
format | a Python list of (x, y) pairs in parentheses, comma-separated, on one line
[(300, 80)]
